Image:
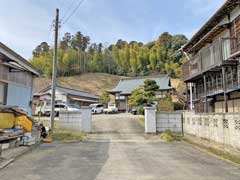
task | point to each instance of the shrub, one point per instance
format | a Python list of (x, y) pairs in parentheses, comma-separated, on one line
[(140, 110), (165, 105), (178, 106), (170, 136)]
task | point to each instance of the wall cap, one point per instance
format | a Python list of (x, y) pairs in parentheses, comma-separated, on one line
[(150, 108)]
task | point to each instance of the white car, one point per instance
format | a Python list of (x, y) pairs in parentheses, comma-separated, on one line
[(46, 109), (96, 108), (111, 109)]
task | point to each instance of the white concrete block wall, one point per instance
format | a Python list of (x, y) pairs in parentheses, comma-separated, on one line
[(70, 120), (169, 121), (150, 120), (162, 121), (221, 128), (76, 120)]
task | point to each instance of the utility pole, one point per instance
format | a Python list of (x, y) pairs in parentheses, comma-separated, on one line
[(54, 70)]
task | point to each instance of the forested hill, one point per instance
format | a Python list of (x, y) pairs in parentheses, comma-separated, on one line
[(77, 54)]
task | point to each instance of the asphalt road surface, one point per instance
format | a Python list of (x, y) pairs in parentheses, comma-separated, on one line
[(118, 150)]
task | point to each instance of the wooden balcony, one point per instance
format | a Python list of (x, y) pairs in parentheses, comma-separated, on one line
[(192, 68), (214, 55), (214, 84)]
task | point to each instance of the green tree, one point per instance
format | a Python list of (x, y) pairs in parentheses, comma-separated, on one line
[(133, 59), (78, 54), (41, 50), (143, 96), (137, 98), (153, 59), (66, 41), (105, 98), (150, 88)]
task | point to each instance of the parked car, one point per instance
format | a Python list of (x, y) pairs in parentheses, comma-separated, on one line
[(45, 109), (96, 108), (111, 109), (133, 111)]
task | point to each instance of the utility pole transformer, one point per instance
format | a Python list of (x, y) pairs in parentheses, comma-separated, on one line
[(54, 70)]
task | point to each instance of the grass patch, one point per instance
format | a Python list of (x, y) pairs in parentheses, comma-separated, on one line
[(67, 136), (170, 136), (219, 153), (141, 121)]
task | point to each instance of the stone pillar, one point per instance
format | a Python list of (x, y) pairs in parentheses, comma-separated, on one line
[(86, 119), (150, 120), (126, 99)]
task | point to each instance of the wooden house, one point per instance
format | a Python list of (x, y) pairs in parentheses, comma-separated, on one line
[(212, 72), (16, 80), (66, 96), (126, 86)]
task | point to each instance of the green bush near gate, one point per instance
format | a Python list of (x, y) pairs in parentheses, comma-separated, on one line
[(140, 110)]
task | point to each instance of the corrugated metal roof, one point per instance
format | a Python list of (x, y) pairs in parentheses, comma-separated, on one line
[(77, 93), (13, 56), (126, 86), (72, 92)]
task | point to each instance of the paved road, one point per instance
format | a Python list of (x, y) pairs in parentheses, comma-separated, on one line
[(118, 150)]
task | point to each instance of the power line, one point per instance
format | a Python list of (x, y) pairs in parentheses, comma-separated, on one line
[(72, 13), (50, 30), (68, 9)]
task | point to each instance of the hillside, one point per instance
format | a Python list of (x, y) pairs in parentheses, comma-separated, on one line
[(95, 83)]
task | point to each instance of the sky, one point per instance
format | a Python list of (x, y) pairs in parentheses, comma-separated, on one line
[(26, 23)]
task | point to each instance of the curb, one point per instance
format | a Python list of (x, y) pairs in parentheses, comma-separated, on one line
[(206, 151)]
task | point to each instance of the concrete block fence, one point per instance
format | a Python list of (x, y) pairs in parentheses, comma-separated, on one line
[(162, 121), (223, 128), (218, 127), (76, 120)]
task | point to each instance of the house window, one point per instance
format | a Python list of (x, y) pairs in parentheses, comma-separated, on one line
[(3, 93), (161, 94), (226, 49)]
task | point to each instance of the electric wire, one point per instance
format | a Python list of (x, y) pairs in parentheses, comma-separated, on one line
[(72, 13)]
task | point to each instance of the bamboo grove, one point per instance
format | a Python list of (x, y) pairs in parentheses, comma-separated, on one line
[(77, 54)]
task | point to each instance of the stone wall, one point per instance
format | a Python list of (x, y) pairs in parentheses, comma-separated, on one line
[(218, 127)]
